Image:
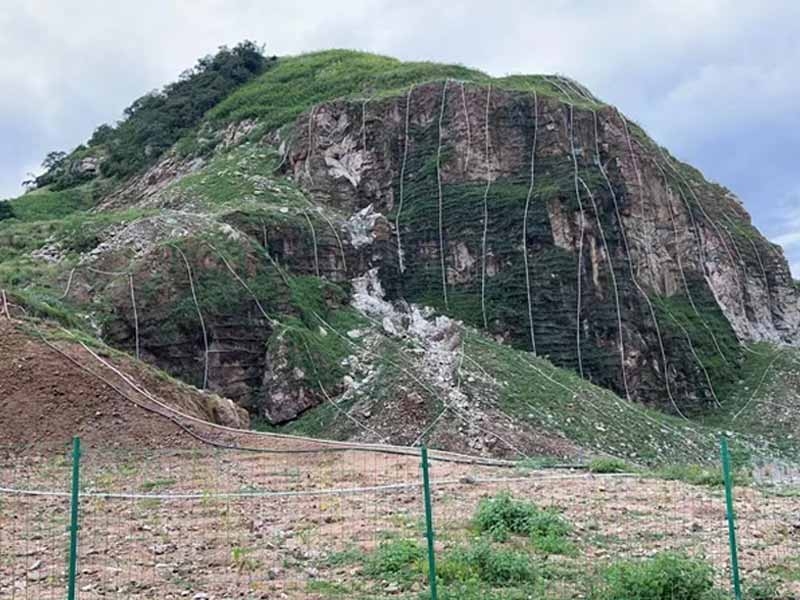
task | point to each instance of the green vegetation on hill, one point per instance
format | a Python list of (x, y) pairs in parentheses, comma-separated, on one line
[(154, 122), (297, 83), (47, 204)]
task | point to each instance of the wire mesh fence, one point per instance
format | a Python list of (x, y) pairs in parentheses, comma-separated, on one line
[(347, 524)]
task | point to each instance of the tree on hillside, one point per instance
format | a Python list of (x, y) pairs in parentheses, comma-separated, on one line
[(6, 212), (154, 122), (158, 119)]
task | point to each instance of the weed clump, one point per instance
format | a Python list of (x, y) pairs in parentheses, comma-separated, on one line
[(609, 465), (396, 560), (482, 562), (665, 576), (502, 516)]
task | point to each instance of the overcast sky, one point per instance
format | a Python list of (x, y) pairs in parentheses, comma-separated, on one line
[(714, 81)]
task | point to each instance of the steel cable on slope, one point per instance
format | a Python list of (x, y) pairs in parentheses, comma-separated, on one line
[(269, 319), (285, 154), (571, 85), (554, 82), (634, 279), (400, 264), (581, 226), (581, 89), (321, 212), (135, 315), (616, 289), (471, 481), (314, 242), (69, 282), (364, 124), (199, 314), (441, 206), (466, 121), (486, 209), (525, 221), (309, 141)]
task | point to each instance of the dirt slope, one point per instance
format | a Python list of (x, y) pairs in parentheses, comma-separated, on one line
[(46, 399)]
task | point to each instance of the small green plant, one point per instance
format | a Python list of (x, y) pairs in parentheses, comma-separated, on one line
[(693, 474), (158, 484), (348, 556), (396, 560), (665, 576), (482, 562), (241, 560), (502, 516), (762, 589), (609, 465)]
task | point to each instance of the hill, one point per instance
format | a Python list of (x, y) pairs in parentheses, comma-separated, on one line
[(355, 247)]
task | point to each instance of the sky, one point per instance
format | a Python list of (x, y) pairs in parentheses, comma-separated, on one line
[(714, 81)]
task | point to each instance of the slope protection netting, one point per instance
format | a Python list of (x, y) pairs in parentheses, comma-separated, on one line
[(468, 236)]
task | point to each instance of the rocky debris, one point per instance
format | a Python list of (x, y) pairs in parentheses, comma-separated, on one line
[(143, 190), (361, 226), (142, 236), (52, 252), (235, 133), (89, 166), (438, 337)]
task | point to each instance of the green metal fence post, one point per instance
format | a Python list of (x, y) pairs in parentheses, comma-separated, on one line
[(726, 472), (426, 484), (73, 522)]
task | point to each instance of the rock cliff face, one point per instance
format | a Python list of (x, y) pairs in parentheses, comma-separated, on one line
[(559, 228)]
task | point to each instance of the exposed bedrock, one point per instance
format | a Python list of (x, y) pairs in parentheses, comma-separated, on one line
[(560, 229)]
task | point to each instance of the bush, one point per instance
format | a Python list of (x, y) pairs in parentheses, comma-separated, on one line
[(699, 475), (665, 576), (396, 560), (478, 591), (503, 515), (609, 465), (6, 212), (482, 562), (762, 589)]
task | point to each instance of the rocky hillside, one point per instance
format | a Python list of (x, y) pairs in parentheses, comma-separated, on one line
[(374, 247)]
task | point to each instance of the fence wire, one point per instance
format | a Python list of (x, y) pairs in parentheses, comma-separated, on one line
[(225, 524)]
